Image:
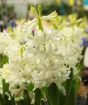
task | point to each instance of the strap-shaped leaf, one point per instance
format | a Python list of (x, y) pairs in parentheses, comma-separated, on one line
[(26, 97), (52, 94), (37, 97)]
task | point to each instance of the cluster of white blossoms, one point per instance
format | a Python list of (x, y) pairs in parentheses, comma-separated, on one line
[(40, 57)]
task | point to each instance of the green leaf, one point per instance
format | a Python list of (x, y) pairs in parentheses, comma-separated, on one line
[(3, 60), (20, 102), (52, 94), (39, 10), (40, 24), (5, 92), (1, 100), (5, 87), (34, 11), (71, 90), (30, 87), (7, 101), (43, 102), (37, 97), (26, 97)]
